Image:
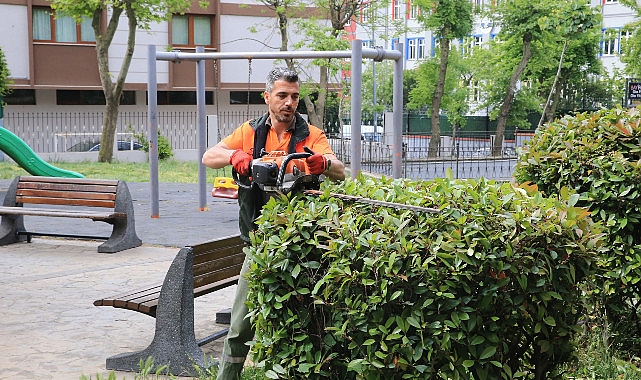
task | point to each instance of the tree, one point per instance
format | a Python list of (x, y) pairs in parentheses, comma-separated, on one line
[(140, 13), (455, 91), (524, 23), (579, 19), (5, 81), (447, 19)]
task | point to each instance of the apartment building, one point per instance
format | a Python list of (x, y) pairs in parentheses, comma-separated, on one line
[(57, 104), (53, 62)]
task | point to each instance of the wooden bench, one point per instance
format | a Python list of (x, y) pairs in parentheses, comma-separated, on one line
[(195, 271), (99, 200)]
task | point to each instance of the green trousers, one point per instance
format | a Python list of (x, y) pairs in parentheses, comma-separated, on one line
[(240, 332)]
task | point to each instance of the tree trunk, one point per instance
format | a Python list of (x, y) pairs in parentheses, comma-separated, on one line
[(435, 141), (554, 85), (108, 131), (316, 112), (112, 90), (509, 96)]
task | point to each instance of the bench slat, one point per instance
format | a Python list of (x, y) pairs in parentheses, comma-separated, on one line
[(209, 287), (112, 300), (233, 259), (107, 195), (66, 201), (88, 187), (212, 287), (28, 178), (29, 211)]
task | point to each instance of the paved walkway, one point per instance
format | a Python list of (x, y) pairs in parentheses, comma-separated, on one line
[(49, 328)]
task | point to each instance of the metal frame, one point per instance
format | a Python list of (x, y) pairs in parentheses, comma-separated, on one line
[(356, 55)]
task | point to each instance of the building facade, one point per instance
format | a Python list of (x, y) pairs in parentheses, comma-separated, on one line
[(54, 69)]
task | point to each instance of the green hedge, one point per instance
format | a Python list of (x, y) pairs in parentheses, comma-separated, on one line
[(487, 289), (598, 155)]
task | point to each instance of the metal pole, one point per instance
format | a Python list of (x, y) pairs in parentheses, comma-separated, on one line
[(357, 83), (397, 109), (202, 130), (379, 54), (152, 90)]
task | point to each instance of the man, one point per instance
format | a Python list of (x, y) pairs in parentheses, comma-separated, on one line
[(281, 129)]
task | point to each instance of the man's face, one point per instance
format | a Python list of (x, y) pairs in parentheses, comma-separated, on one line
[(283, 100)]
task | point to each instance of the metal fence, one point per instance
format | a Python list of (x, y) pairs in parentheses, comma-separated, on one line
[(467, 154)]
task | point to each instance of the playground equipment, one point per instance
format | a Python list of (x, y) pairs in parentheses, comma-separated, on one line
[(24, 156), (356, 55)]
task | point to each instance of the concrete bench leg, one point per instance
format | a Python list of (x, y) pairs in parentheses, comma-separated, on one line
[(11, 224), (123, 236), (174, 342)]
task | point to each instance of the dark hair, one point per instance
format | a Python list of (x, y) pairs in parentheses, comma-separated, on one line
[(280, 73)]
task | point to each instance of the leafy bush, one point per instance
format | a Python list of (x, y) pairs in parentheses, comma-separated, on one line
[(486, 289), (164, 146), (599, 156)]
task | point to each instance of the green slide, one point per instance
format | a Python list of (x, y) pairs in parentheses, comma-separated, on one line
[(22, 154)]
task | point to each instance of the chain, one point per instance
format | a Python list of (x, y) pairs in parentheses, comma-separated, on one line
[(249, 83)]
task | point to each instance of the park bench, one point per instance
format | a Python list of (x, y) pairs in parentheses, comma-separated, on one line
[(101, 200), (195, 271)]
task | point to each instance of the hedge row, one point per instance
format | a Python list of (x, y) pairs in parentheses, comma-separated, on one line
[(486, 289)]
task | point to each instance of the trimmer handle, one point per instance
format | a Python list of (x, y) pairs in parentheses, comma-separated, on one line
[(283, 165)]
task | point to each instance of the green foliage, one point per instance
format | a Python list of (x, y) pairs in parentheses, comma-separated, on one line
[(164, 145), (597, 361), (447, 18), (484, 290), (457, 84), (598, 155), (5, 81)]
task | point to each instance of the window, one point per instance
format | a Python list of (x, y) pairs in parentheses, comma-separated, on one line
[(415, 48), (420, 51), (468, 44), (610, 1), (181, 98), (474, 92), (394, 41), (436, 44), (396, 10), (90, 97), (21, 97), (60, 27), (191, 30), (240, 97), (478, 4), (413, 11), (412, 45), (366, 12), (366, 43), (612, 39)]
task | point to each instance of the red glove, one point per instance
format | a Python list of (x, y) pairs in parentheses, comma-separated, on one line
[(241, 160), (317, 164)]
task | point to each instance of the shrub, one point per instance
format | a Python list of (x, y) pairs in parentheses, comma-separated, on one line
[(599, 156), (486, 289), (164, 146)]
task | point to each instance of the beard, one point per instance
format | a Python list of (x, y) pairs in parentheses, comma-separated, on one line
[(284, 117)]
